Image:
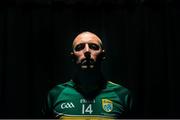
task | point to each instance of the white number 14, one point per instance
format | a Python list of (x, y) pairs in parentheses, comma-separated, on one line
[(88, 109)]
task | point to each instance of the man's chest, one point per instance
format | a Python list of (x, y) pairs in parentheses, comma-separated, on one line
[(70, 103)]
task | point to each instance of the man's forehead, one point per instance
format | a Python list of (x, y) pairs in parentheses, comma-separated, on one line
[(87, 37)]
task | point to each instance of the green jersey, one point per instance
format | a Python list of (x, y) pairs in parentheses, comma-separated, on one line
[(64, 101)]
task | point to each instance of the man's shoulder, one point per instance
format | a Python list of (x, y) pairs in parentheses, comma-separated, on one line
[(122, 92), (117, 88), (57, 89), (115, 85)]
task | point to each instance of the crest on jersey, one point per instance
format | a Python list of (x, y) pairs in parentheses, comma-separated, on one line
[(107, 105)]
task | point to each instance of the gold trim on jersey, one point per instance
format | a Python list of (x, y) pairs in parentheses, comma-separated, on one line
[(85, 118)]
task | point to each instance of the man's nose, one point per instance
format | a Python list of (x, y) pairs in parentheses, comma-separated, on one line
[(86, 48), (87, 53)]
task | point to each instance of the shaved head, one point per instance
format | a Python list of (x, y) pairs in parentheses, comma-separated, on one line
[(87, 48), (86, 37)]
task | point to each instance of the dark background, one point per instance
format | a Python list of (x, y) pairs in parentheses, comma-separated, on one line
[(141, 37)]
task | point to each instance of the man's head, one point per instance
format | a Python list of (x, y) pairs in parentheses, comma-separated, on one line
[(87, 50), (88, 53)]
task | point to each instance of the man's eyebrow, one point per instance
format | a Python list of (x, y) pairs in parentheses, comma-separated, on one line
[(79, 44)]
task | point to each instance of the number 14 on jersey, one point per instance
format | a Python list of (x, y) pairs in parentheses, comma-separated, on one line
[(87, 109)]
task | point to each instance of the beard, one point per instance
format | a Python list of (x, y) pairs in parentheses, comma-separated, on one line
[(89, 83), (89, 80)]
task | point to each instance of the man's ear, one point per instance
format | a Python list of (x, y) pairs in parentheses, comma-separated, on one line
[(71, 53), (73, 58), (103, 55)]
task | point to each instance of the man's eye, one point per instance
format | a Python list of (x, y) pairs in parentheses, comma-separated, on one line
[(79, 47), (93, 46)]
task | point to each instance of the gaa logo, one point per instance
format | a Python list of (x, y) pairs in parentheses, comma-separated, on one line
[(67, 105)]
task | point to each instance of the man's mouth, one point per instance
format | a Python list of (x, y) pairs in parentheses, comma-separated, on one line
[(87, 63)]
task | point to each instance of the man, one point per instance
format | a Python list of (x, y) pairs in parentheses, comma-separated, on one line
[(88, 95)]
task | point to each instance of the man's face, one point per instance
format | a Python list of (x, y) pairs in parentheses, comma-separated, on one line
[(86, 49)]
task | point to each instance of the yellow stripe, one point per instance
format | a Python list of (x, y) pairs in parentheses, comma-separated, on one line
[(84, 118)]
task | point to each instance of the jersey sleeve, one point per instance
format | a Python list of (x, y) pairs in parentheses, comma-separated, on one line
[(126, 99), (49, 100)]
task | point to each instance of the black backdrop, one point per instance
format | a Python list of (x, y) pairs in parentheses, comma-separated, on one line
[(141, 39)]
